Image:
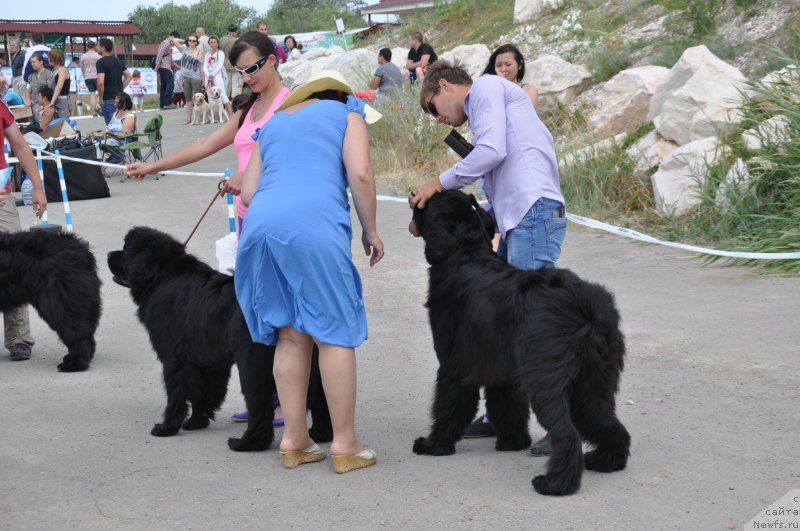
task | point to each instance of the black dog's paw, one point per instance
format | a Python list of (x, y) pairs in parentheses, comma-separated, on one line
[(513, 443), (73, 364), (320, 434), (160, 430), (423, 447), (552, 487), (248, 444), (604, 461), (196, 423)]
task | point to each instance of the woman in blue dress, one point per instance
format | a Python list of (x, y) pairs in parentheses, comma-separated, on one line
[(295, 278)]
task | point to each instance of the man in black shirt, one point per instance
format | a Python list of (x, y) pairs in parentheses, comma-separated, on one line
[(420, 55), (112, 77)]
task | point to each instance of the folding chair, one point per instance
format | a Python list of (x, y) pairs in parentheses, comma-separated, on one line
[(144, 150), (116, 151)]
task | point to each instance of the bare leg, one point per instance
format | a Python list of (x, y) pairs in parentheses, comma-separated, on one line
[(189, 106), (337, 366), (292, 369)]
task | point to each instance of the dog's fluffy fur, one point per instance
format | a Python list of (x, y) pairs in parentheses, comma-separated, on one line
[(56, 273), (199, 109), (198, 330), (542, 337), (215, 105)]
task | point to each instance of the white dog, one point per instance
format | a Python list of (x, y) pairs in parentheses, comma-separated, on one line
[(215, 103), (200, 109)]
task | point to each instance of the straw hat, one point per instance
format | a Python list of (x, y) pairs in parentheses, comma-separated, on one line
[(326, 80)]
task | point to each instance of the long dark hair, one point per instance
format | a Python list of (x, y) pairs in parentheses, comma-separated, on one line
[(264, 48), (506, 48)]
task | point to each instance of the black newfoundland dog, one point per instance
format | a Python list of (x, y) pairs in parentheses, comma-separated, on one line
[(56, 273), (197, 329), (544, 338)]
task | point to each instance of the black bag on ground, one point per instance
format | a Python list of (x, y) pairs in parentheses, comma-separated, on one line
[(84, 181)]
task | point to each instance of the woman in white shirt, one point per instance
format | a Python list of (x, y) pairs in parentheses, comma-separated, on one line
[(294, 49), (214, 68)]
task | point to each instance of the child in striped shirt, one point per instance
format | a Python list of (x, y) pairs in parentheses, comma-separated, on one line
[(138, 91)]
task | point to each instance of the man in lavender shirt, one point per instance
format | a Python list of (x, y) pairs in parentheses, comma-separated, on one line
[(514, 154)]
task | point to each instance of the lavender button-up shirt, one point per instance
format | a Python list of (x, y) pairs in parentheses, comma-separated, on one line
[(513, 151)]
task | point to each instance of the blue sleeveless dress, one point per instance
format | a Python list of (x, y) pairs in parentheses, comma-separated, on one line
[(294, 266)]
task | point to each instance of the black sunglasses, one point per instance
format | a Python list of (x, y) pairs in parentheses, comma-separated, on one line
[(253, 68), (431, 107)]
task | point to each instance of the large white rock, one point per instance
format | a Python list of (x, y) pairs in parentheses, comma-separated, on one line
[(789, 74), (769, 132), (591, 151), (557, 79), (471, 57), (297, 72), (699, 98), (356, 66), (648, 152), (682, 174), (624, 100), (400, 57), (737, 178), (526, 9)]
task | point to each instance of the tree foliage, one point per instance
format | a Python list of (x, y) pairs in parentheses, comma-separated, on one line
[(285, 16), (297, 16), (213, 15)]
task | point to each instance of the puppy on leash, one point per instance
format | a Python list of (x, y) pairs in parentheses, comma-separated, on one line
[(215, 105), (200, 109)]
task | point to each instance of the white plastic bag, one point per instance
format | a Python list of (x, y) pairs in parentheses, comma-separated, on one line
[(226, 254)]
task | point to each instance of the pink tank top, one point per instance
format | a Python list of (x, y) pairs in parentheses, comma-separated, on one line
[(244, 143)]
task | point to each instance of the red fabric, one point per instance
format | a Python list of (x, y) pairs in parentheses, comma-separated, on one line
[(6, 120), (366, 95)]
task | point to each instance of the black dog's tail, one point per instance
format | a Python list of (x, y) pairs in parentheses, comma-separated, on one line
[(576, 326)]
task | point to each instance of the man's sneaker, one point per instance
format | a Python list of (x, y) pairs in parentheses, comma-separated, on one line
[(480, 427), (168, 107), (542, 447), (240, 417), (20, 352)]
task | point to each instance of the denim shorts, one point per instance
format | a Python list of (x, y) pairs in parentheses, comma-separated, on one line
[(535, 243)]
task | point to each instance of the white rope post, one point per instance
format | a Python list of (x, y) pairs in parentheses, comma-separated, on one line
[(64, 198), (231, 210), (40, 165)]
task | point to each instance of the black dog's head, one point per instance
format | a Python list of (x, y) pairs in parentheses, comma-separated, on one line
[(452, 221), (145, 253)]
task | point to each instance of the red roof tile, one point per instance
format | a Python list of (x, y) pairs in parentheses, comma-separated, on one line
[(87, 28)]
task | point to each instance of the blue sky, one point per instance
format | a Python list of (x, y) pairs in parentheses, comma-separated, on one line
[(96, 10)]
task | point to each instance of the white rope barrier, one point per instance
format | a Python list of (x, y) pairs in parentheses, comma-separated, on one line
[(635, 235), (580, 220)]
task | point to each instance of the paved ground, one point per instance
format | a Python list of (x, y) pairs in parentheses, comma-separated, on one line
[(709, 395)]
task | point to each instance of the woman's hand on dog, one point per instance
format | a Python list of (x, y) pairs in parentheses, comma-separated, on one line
[(139, 170), (373, 247), (425, 191), (232, 185)]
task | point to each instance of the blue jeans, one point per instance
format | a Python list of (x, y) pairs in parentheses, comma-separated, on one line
[(108, 110), (535, 243)]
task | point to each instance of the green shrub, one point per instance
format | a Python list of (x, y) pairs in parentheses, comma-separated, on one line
[(605, 63), (601, 185), (764, 215)]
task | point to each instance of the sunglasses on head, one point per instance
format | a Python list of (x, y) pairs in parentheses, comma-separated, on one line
[(253, 68)]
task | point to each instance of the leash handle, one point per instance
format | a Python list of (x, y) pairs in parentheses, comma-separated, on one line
[(216, 195)]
